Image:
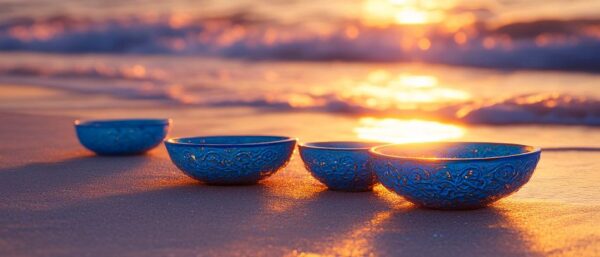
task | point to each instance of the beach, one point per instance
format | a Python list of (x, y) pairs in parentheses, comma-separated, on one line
[(59, 199), (386, 71)]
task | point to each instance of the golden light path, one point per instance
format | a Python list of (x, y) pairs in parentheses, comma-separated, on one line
[(406, 131), (384, 90)]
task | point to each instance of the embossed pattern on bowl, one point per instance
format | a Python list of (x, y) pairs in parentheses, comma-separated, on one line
[(341, 166), (121, 137), (231, 160), (458, 175)]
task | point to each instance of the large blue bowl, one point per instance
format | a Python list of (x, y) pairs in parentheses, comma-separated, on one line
[(455, 175), (341, 166), (121, 137), (230, 160)]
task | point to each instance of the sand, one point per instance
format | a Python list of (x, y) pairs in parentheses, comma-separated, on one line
[(57, 199)]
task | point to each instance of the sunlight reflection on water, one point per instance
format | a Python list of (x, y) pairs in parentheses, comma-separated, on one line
[(383, 90), (406, 131)]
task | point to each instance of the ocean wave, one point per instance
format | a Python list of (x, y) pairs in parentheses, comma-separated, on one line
[(538, 108), (548, 44), (133, 72), (543, 108), (534, 109)]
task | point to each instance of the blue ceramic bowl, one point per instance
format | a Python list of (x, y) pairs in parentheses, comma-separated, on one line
[(121, 137), (230, 160), (341, 166), (454, 175)]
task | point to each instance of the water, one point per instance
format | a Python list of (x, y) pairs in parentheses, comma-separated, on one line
[(403, 90), (496, 34), (438, 67)]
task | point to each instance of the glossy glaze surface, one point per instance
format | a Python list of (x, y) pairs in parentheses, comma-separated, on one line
[(122, 137), (230, 160), (454, 175)]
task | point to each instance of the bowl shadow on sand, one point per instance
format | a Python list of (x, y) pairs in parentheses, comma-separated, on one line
[(179, 219), (414, 231), (357, 224), (48, 177), (191, 218), (183, 217)]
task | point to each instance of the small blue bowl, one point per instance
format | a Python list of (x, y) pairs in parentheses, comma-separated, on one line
[(230, 160), (459, 175), (341, 166), (122, 137)]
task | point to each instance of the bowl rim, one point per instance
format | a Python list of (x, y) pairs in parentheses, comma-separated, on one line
[(98, 123), (373, 151), (283, 139), (312, 145)]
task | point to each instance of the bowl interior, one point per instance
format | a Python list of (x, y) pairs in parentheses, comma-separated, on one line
[(230, 140), (341, 145), (122, 122), (453, 150)]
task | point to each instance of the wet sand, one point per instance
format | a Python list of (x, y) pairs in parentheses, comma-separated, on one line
[(57, 199)]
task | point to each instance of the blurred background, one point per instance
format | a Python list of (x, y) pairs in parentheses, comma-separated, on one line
[(503, 34), (388, 70)]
